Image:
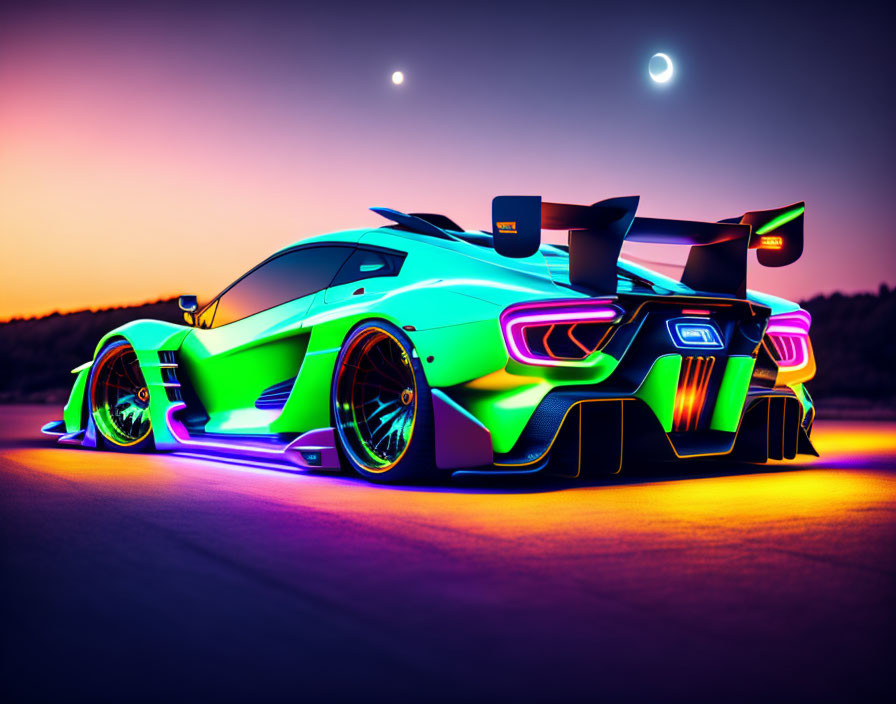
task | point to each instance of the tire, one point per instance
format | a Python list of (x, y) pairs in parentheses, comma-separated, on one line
[(119, 400), (382, 407)]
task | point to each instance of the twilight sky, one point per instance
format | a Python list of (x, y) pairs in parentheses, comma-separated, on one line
[(149, 153)]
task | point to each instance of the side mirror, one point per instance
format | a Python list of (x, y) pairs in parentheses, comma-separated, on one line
[(189, 305)]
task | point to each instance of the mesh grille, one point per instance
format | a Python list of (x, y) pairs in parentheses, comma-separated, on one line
[(693, 382)]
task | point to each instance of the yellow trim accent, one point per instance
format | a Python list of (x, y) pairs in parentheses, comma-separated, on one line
[(383, 470), (92, 392), (740, 423), (622, 434), (557, 432), (130, 444), (579, 460)]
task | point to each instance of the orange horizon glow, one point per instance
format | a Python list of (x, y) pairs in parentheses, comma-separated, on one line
[(93, 309), (134, 168)]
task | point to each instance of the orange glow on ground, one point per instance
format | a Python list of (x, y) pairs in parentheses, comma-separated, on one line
[(126, 161), (846, 439), (544, 510), (552, 588)]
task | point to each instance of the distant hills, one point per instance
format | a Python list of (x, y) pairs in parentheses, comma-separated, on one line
[(38, 354), (853, 338), (854, 344)]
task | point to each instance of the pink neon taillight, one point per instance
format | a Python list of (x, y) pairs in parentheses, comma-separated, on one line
[(789, 337), (557, 333)]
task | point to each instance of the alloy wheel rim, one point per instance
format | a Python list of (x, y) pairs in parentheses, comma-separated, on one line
[(376, 400), (120, 398)]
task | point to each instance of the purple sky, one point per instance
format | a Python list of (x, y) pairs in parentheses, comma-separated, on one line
[(170, 151)]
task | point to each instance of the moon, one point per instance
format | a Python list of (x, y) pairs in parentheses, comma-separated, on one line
[(398, 78), (660, 68)]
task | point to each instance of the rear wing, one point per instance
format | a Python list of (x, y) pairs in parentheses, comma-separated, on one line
[(716, 263)]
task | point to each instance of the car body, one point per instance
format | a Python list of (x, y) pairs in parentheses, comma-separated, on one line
[(489, 353)]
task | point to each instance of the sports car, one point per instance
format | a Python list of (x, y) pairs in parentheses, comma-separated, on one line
[(420, 350)]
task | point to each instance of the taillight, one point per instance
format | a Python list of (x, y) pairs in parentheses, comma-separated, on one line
[(557, 333), (788, 334)]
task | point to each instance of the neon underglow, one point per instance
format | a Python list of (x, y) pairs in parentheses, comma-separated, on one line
[(782, 219), (789, 336), (291, 453), (516, 318), (238, 461), (179, 432)]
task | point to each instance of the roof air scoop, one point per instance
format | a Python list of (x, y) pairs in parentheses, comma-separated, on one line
[(415, 223)]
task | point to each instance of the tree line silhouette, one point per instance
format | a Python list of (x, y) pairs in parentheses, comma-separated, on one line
[(852, 336)]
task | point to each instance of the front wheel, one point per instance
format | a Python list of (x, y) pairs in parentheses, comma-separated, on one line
[(382, 407), (119, 398)]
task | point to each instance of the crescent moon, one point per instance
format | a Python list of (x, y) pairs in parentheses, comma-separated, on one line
[(666, 74)]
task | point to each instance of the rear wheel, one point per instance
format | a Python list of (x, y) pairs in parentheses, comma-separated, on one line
[(119, 398), (382, 406)]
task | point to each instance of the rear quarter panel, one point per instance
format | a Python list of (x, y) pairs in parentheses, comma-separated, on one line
[(446, 301), (148, 338)]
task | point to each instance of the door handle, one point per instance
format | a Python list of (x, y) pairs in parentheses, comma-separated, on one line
[(358, 292)]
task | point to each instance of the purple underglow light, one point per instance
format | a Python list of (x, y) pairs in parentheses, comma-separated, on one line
[(238, 461), (183, 438), (789, 335), (518, 317), (320, 441)]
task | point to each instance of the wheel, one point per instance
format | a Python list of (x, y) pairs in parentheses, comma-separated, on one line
[(382, 407), (119, 399)]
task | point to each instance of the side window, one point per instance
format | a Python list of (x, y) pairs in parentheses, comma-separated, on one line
[(366, 264), (207, 315), (287, 277)]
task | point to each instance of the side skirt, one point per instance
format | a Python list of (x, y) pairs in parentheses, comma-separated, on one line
[(314, 450)]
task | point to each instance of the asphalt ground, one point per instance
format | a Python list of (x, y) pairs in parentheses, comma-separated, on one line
[(160, 578)]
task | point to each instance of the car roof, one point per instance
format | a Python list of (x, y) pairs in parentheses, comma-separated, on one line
[(556, 256), (343, 236)]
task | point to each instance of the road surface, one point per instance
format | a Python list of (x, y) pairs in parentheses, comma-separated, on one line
[(157, 578)]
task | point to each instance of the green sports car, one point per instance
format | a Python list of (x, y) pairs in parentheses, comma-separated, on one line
[(419, 349)]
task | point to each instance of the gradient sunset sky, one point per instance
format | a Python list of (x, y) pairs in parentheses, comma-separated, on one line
[(146, 153)]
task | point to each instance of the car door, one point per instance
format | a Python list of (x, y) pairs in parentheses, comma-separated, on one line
[(245, 354)]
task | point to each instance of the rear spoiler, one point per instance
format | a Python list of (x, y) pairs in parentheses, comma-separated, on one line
[(716, 263)]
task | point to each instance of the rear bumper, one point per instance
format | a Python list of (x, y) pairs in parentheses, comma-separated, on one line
[(574, 433)]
